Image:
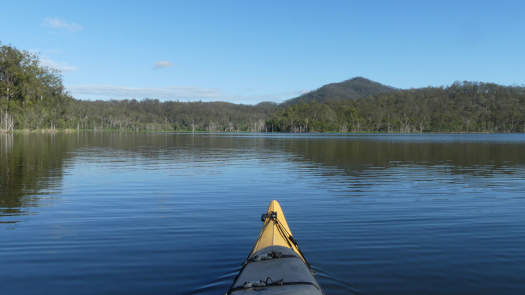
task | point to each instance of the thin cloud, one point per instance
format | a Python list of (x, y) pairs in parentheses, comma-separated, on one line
[(177, 93), (63, 67), (123, 92), (56, 23), (277, 96), (163, 64), (45, 51)]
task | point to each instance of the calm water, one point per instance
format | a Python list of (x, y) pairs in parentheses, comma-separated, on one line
[(177, 214)]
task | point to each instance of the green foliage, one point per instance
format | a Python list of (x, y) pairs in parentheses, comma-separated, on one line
[(336, 92), (462, 107), (31, 94), (33, 97), (151, 114)]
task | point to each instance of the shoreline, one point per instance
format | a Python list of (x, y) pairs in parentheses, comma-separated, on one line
[(71, 131)]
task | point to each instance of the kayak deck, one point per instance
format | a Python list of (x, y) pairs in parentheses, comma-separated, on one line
[(275, 265), (275, 231)]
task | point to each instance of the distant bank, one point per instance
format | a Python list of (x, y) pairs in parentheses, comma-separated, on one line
[(32, 97)]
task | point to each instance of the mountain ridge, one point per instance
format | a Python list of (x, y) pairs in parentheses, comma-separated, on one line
[(354, 88)]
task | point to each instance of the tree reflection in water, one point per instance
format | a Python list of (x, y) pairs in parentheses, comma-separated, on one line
[(32, 165)]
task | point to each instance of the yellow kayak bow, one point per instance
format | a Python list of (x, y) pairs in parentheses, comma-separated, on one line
[(275, 231), (276, 265)]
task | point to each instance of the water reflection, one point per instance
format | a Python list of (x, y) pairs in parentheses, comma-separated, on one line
[(7, 143), (164, 213), (354, 155), (32, 165)]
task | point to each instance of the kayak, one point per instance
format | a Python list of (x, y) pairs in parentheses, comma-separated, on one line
[(275, 265)]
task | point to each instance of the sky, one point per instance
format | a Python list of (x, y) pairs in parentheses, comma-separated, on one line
[(252, 51)]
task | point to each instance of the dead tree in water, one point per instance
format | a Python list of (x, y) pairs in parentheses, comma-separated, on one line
[(7, 122)]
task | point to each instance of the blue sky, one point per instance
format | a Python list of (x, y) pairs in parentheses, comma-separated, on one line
[(252, 51)]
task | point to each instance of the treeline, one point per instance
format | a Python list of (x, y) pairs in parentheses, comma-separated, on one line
[(33, 97), (461, 107), (151, 114)]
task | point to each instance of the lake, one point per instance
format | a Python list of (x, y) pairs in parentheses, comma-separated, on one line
[(121, 213)]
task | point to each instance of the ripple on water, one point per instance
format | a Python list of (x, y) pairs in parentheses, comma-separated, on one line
[(172, 213)]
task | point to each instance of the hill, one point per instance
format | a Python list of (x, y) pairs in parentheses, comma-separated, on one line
[(32, 97), (354, 88), (460, 107)]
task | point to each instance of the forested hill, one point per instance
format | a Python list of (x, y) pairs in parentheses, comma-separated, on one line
[(461, 107), (354, 88), (33, 97)]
